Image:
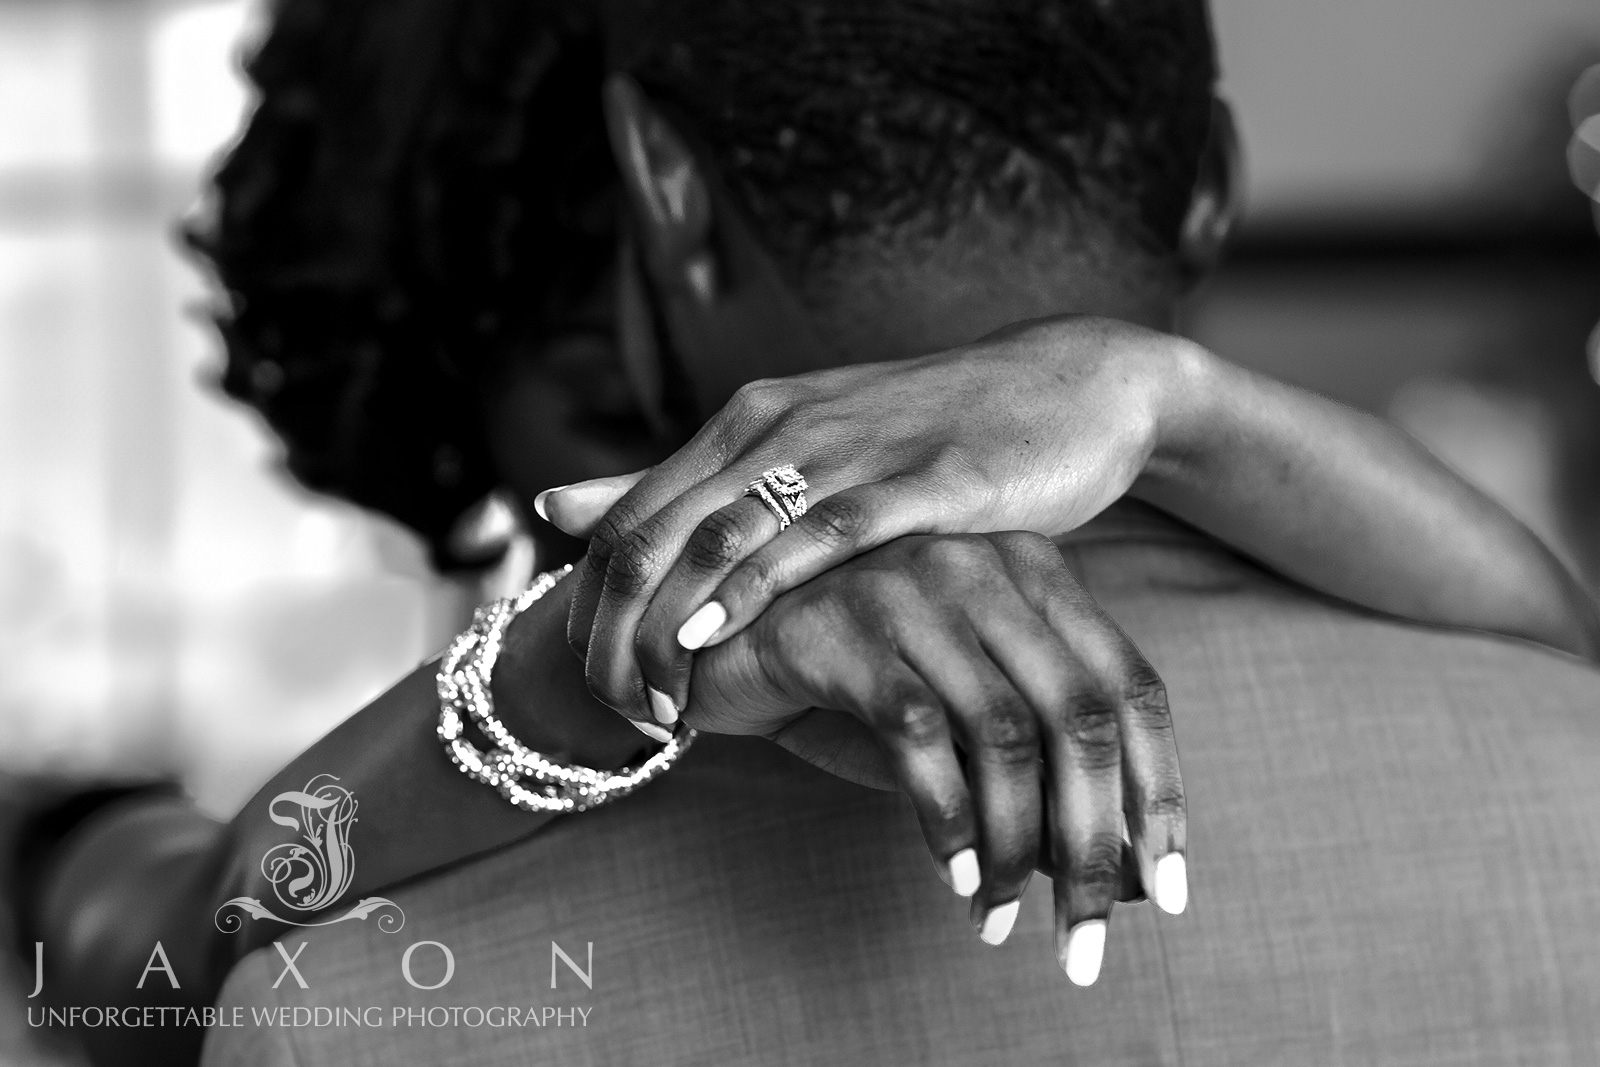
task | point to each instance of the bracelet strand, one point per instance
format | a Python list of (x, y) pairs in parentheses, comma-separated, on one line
[(528, 779)]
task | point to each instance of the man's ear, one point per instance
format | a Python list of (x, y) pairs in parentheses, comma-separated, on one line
[(666, 189), (1218, 198)]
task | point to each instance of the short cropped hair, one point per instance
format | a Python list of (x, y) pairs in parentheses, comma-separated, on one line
[(426, 184)]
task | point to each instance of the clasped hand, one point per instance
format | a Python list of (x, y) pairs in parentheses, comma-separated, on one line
[(896, 630)]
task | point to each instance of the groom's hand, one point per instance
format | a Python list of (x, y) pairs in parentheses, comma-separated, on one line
[(972, 669)]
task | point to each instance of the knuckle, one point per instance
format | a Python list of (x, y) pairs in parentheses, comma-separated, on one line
[(632, 564), (757, 402), (759, 577), (839, 521), (1167, 801), (718, 541), (954, 462), (1009, 735), (1094, 731), (917, 723), (1145, 696), (606, 538), (886, 599), (1099, 865), (1026, 546), (965, 557)]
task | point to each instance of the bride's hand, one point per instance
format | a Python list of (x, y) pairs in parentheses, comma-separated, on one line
[(1015, 715), (1037, 427)]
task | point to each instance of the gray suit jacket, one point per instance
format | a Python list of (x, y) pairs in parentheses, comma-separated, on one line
[(1394, 859)]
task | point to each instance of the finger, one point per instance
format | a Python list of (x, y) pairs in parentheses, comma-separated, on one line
[(999, 732), (622, 566), (748, 420), (1082, 748), (720, 440), (1154, 798), (1084, 761), (577, 509), (619, 557), (721, 540), (1131, 890), (1155, 802), (635, 567), (1033, 659), (913, 727), (835, 529)]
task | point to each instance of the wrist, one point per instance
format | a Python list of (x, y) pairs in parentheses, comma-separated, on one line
[(540, 693), (1191, 396)]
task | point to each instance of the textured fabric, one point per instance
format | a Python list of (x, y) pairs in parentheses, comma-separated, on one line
[(1394, 859)]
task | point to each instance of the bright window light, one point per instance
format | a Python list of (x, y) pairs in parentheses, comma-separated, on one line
[(44, 99), (197, 91)]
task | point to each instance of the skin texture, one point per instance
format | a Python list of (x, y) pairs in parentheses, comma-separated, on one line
[(982, 645)]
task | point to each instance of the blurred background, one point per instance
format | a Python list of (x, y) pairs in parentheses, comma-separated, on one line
[(168, 600)]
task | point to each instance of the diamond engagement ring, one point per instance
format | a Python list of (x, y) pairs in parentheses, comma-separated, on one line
[(783, 491)]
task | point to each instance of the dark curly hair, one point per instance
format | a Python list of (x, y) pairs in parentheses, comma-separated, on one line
[(426, 183)]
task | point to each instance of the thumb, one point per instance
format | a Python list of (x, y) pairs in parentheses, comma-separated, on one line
[(577, 509)]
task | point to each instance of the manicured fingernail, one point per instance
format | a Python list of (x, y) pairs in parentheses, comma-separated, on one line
[(652, 731), (1086, 947), (538, 501), (1171, 890), (964, 876), (998, 923), (701, 625), (661, 704)]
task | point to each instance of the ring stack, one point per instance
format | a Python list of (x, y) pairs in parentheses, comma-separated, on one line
[(526, 778), (783, 490)]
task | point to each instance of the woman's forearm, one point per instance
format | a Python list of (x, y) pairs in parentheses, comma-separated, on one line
[(155, 871), (1348, 504), (417, 812)]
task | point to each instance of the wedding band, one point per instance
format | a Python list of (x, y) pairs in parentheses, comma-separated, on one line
[(783, 491)]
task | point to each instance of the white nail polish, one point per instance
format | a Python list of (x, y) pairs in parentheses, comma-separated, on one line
[(998, 923), (661, 705), (964, 877), (538, 501), (1086, 947), (701, 625), (652, 731), (1171, 890)]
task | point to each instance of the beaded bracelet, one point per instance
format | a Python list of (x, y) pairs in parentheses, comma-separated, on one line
[(463, 685)]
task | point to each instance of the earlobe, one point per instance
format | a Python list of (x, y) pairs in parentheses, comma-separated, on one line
[(1218, 198), (663, 181)]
